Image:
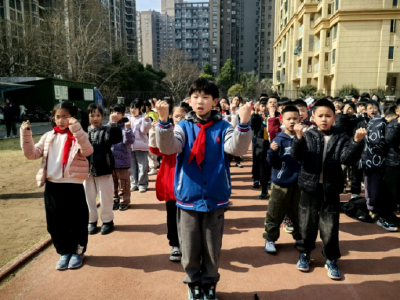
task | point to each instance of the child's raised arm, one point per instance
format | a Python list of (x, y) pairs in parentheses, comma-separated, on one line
[(299, 146), (31, 151), (81, 137), (145, 125)]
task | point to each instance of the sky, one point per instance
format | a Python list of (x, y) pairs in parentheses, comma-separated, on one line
[(143, 5)]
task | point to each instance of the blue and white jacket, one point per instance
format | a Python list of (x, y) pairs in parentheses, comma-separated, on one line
[(285, 170), (210, 188)]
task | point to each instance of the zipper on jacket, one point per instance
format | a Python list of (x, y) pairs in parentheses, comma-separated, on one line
[(180, 180)]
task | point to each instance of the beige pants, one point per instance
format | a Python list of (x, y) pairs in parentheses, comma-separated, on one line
[(104, 187), (153, 163)]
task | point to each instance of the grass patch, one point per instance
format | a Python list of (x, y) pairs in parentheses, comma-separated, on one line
[(10, 150)]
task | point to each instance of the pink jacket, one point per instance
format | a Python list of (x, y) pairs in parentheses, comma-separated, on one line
[(77, 166)]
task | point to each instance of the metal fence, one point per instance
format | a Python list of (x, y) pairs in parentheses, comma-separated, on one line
[(293, 94)]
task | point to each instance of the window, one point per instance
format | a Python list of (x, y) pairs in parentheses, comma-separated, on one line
[(335, 29), (337, 5), (394, 2), (214, 34), (391, 52), (214, 67), (334, 56), (215, 8), (393, 26)]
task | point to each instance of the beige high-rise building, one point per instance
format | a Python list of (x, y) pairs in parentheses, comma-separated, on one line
[(329, 44), (168, 7)]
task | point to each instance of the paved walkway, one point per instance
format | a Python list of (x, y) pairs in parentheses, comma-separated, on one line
[(133, 262)]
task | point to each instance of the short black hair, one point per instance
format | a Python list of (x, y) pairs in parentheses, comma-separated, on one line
[(264, 101), (325, 103), (147, 103), (290, 108), (299, 102), (337, 99), (137, 104), (363, 101), (284, 101), (121, 108), (182, 105), (373, 103), (351, 103), (208, 87), (366, 95), (390, 111), (275, 97), (355, 96), (398, 102), (263, 96), (93, 107)]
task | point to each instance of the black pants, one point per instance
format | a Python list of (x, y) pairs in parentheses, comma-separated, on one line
[(67, 216), (265, 173), (355, 176), (391, 179), (172, 233), (314, 211), (10, 125)]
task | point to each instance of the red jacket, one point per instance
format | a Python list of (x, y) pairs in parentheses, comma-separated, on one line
[(165, 176)]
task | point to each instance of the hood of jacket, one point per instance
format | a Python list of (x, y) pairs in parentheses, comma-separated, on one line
[(215, 116)]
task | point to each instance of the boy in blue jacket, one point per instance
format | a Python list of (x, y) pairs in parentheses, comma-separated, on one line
[(202, 180), (285, 193)]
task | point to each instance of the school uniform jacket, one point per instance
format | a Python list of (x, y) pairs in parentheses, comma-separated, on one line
[(208, 188), (392, 137)]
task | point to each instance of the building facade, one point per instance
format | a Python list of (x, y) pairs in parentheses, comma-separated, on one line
[(168, 7), (242, 30), (329, 44), (192, 30)]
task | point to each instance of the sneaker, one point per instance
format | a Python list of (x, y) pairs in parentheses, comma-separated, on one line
[(142, 189), (209, 291), (256, 184), (304, 262), (386, 225), (287, 225), (6, 137), (264, 195), (134, 188), (63, 262), (92, 228), (353, 196), (153, 172), (239, 165), (175, 255), (270, 247), (116, 204), (194, 291), (76, 261), (333, 269), (123, 207), (106, 228)]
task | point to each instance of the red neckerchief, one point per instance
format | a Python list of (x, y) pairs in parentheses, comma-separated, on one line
[(67, 146), (199, 146)]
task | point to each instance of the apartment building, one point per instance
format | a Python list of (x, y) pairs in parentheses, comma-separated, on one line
[(128, 17), (139, 43), (242, 30), (168, 7), (192, 30), (329, 44)]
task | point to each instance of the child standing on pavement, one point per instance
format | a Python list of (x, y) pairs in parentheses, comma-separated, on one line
[(322, 151), (141, 124), (64, 168), (122, 156), (101, 166), (165, 181), (285, 193), (153, 162), (202, 186)]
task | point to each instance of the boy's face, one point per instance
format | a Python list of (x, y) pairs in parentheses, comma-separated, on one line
[(202, 104), (119, 115), (135, 112), (272, 103), (348, 110), (361, 108), (262, 108), (355, 100), (303, 113), (289, 119), (372, 110), (324, 117), (95, 118), (338, 105)]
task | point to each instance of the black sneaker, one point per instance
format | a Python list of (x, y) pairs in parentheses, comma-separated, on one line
[(239, 165), (209, 291), (194, 291), (304, 262), (92, 228), (123, 207), (116, 204), (381, 222), (256, 184), (107, 227), (264, 195)]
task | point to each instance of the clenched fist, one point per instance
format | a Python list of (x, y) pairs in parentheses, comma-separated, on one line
[(274, 146), (298, 128), (72, 121), (244, 113), (26, 125), (113, 118), (360, 134), (146, 117), (128, 125), (163, 111)]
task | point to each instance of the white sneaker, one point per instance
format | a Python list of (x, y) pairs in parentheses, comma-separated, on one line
[(134, 188), (14, 136), (153, 172), (142, 189), (354, 196), (270, 247), (175, 255)]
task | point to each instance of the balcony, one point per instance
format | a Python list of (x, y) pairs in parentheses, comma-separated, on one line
[(326, 65)]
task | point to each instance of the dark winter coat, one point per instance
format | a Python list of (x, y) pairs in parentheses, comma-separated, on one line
[(10, 112), (262, 145), (392, 136), (309, 150), (101, 161), (376, 148), (122, 151), (348, 124)]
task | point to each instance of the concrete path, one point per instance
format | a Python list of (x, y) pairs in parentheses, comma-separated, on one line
[(133, 262)]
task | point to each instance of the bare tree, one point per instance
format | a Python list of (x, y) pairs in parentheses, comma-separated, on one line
[(180, 73)]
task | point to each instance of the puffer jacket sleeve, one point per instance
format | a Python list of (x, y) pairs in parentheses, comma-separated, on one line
[(128, 137), (31, 151), (145, 126), (237, 139), (392, 134), (114, 134), (169, 140), (82, 139), (351, 151), (299, 149)]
